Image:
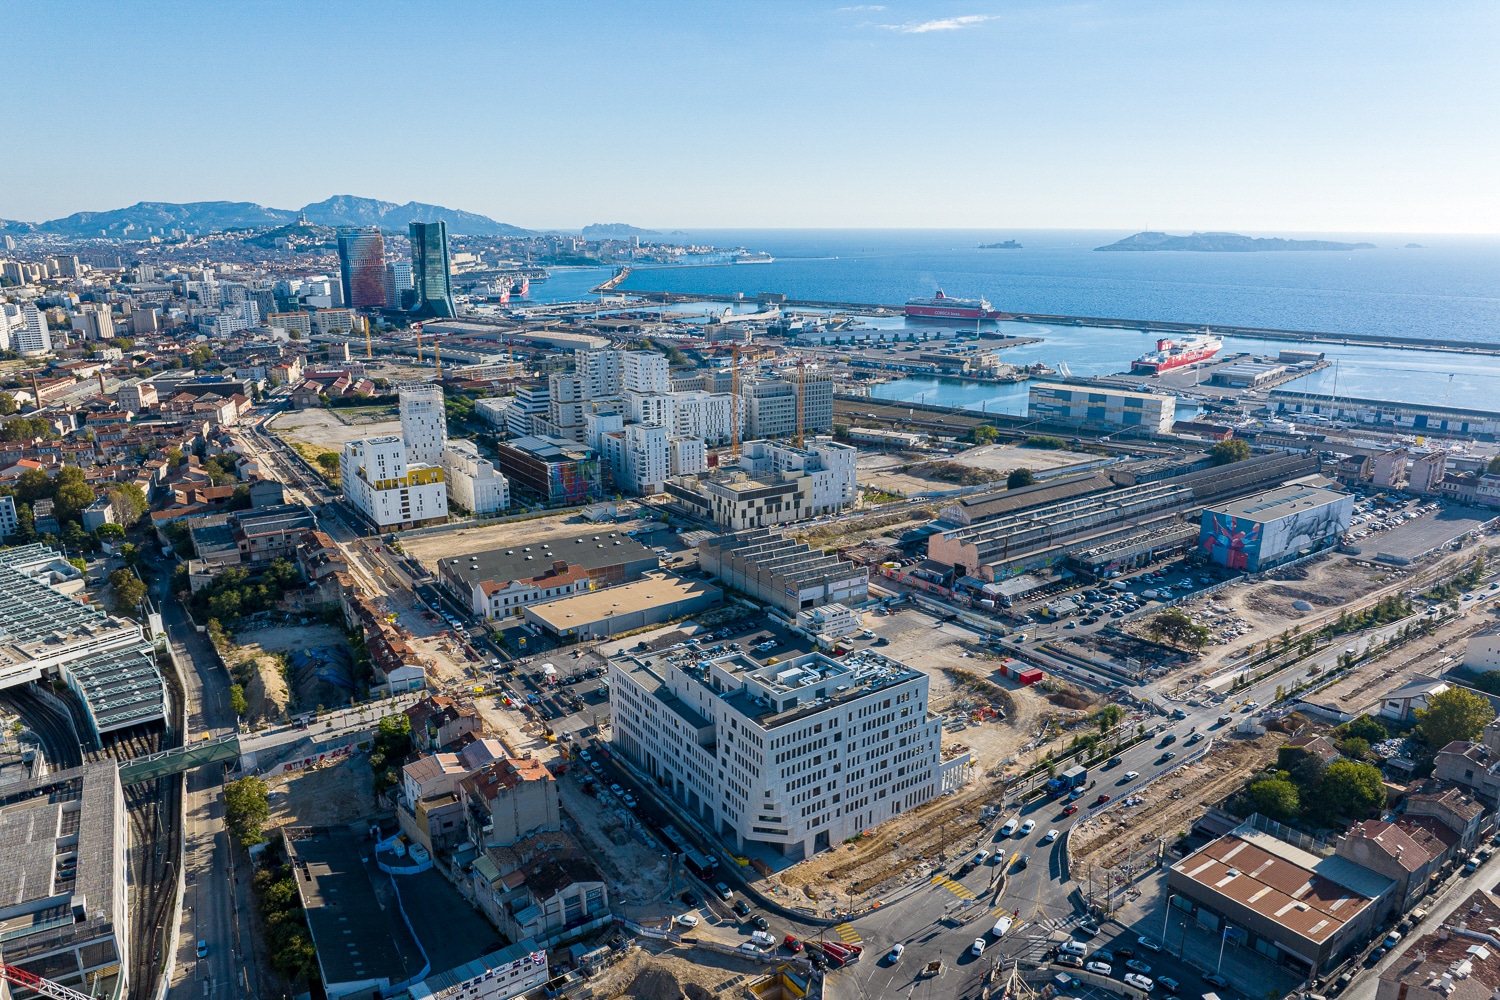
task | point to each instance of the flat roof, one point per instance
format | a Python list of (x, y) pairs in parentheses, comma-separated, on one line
[(1311, 897), (587, 545), (1102, 391), (1279, 502), (656, 590)]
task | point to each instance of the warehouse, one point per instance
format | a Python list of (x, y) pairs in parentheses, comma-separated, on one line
[(1074, 404), (782, 571), (660, 597), (1270, 528), (1297, 908)]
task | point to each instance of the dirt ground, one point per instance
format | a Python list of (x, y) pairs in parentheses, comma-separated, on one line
[(637, 874), (886, 525), (331, 795), (882, 470), (267, 692), (1361, 692), (1169, 806), (326, 431), (655, 970)]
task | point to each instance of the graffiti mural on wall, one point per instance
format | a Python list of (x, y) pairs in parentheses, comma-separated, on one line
[(1230, 544)]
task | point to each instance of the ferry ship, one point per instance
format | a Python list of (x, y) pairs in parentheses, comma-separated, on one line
[(941, 306), (1171, 354)]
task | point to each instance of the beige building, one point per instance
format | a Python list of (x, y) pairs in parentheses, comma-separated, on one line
[(507, 800)]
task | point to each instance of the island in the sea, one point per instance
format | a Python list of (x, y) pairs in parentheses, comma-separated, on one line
[(1225, 243), (1007, 245), (614, 231)]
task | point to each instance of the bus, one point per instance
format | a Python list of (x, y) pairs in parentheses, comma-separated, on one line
[(701, 866)]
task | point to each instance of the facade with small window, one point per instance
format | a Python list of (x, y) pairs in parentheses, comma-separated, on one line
[(1074, 404)]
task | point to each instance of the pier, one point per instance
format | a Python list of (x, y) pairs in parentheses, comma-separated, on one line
[(1164, 327)]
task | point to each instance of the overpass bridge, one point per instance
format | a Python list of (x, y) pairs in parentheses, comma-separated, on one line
[(175, 761)]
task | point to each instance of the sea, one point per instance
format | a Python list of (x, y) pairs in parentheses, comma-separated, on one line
[(1444, 287)]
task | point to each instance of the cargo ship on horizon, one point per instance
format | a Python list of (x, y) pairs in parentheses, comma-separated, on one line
[(1171, 354), (940, 306)]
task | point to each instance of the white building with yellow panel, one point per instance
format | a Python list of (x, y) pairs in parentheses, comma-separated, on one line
[(390, 492)]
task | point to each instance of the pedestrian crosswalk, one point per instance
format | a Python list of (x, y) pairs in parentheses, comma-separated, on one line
[(847, 933), (957, 888)]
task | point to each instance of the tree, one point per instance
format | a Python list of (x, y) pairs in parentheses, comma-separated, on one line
[(1365, 728), (1494, 467), (983, 434), (1019, 478), (1229, 451), (128, 590), (391, 745), (8, 404), (25, 523), (1355, 748), (246, 810), (34, 485), (329, 460), (74, 537), (1178, 628), (73, 493), (237, 700), (1108, 717), (1350, 789), (294, 334), (1277, 798), (1455, 714), (240, 499), (129, 503), (109, 532)]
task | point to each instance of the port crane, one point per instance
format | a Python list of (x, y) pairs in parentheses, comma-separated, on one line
[(46, 987)]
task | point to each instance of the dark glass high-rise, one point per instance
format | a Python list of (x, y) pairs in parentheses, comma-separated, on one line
[(430, 270)]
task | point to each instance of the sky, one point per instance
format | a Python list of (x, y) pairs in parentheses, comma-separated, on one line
[(1295, 117)]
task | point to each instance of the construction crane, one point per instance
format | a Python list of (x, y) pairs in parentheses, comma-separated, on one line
[(369, 350), (418, 328), (734, 403), (46, 987), (437, 352)]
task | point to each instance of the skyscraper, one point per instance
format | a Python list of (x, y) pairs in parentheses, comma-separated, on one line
[(424, 422), (397, 283), (429, 270), (362, 267)]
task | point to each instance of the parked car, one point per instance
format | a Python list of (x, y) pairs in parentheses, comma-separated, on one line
[(1147, 943), (687, 919), (791, 944), (1136, 965), (724, 891), (1140, 982), (1169, 984), (689, 898), (741, 907), (760, 922), (1102, 968), (202, 949)]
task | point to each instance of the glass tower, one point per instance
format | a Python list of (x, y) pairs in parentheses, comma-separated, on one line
[(362, 267), (429, 270)]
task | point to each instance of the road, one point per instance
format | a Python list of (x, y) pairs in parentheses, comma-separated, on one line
[(215, 909)]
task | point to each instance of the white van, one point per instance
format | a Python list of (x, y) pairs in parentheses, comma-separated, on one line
[(1073, 948), (1001, 926)]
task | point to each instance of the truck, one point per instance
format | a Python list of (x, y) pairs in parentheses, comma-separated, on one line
[(703, 866), (1073, 777)]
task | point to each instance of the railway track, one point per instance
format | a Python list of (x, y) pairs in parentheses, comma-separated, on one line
[(53, 729)]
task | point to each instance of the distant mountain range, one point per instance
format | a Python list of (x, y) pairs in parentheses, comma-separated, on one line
[(614, 231), (1225, 243), (203, 216)]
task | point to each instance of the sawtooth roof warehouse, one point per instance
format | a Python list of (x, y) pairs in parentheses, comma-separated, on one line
[(795, 756)]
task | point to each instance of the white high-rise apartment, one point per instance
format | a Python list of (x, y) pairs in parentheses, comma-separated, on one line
[(389, 491), (797, 756), (686, 456), (645, 371), (32, 338), (706, 415), (424, 422), (638, 457)]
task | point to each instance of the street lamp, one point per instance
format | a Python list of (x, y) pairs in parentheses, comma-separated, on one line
[(1165, 914), (1223, 939)]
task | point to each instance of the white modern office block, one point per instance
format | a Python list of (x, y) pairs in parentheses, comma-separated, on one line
[(390, 492), (472, 480)]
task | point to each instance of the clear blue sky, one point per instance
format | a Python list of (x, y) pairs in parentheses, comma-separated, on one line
[(1280, 117)]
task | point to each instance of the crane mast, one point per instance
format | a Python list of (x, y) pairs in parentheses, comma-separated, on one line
[(46, 987)]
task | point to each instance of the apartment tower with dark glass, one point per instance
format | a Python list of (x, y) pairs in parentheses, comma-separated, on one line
[(362, 267), (429, 270)]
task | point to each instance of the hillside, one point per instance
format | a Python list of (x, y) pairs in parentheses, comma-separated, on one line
[(614, 231), (204, 216), (1225, 243)]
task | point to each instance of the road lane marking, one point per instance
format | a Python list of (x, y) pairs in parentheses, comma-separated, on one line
[(957, 888), (849, 934)]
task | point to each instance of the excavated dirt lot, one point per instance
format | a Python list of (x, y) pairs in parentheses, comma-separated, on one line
[(1170, 805), (428, 549), (655, 970), (331, 795), (326, 431)]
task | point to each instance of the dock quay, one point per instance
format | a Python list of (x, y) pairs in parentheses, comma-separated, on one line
[(1164, 327)]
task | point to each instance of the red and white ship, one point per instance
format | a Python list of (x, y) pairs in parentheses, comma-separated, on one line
[(941, 306), (1171, 354)]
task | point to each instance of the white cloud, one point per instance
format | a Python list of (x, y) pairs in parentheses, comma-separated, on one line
[(862, 6), (941, 24)]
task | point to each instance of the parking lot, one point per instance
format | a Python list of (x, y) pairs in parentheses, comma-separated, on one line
[(1405, 532)]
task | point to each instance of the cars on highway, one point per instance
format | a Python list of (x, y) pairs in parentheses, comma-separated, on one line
[(1113, 762), (1070, 810), (1131, 775), (1103, 798), (1136, 965), (1001, 926), (1214, 979), (1168, 984), (1028, 826), (1010, 827), (1051, 835), (1165, 757), (981, 857)]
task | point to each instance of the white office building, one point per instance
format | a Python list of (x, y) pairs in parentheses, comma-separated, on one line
[(424, 422), (828, 465), (472, 480), (796, 757), (637, 457), (387, 489)]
